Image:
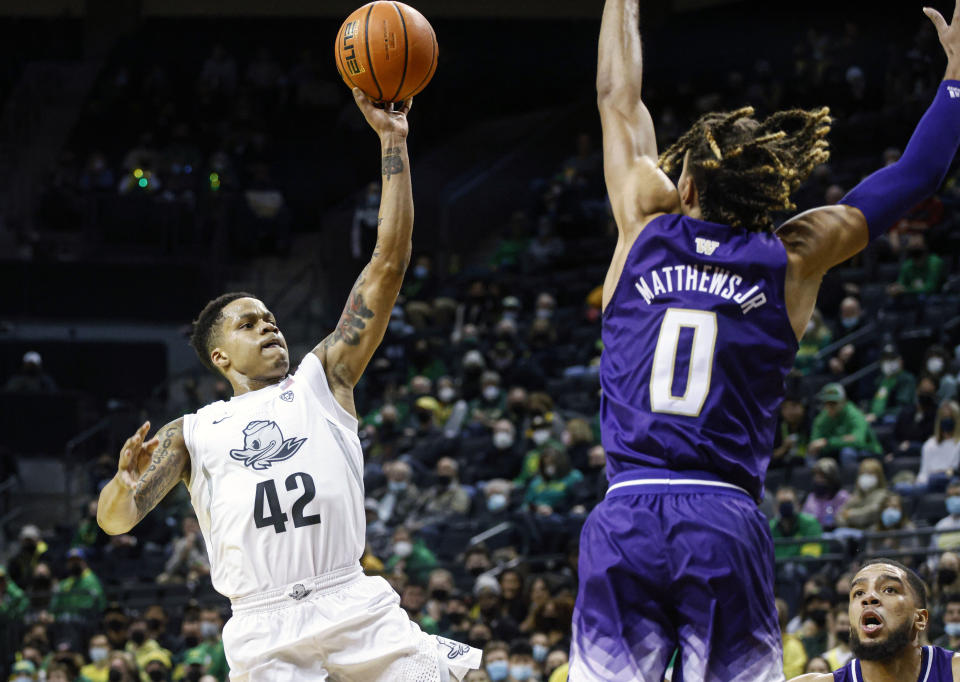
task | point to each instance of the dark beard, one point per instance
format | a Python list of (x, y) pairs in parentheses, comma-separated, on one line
[(896, 642)]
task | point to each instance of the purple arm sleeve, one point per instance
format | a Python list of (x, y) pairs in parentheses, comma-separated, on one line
[(891, 192)]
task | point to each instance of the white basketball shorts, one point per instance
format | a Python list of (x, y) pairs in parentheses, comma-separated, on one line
[(342, 626)]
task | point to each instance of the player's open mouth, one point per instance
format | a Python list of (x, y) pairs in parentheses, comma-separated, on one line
[(273, 344), (870, 622)]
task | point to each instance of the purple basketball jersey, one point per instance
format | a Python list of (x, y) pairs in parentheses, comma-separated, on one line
[(697, 344), (936, 665)]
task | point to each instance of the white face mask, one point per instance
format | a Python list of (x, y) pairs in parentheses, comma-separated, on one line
[(491, 392), (447, 394), (890, 367), (935, 365), (541, 436), (867, 482), (502, 440), (98, 653), (403, 549), (208, 630)]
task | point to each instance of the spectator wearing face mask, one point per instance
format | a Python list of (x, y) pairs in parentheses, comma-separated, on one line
[(815, 628), (839, 640), (497, 494), (793, 434), (539, 436), (827, 495), (921, 272), (895, 389), (97, 670), (443, 500), (937, 364), (940, 454), (22, 565), (211, 625), (490, 405), (851, 356), (451, 407), (893, 518), (411, 556), (122, 668), (496, 661), (840, 429), (79, 597), (140, 644), (950, 639), (540, 647), (555, 489), (816, 337), (949, 538), (195, 665), (915, 422), (156, 666), (863, 508), (521, 662), (23, 671), (400, 496), (790, 522), (500, 457)]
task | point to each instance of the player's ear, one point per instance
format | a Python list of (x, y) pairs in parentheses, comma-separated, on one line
[(921, 619), (220, 358), (688, 190)]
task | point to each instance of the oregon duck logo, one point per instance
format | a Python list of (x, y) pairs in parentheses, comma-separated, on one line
[(263, 444)]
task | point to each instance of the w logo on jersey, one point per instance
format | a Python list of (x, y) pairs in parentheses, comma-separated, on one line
[(263, 444), (706, 246)]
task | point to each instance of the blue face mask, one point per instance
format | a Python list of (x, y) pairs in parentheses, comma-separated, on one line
[(396, 486), (521, 672), (540, 653), (498, 670), (496, 502), (952, 629), (953, 505), (891, 516), (849, 322)]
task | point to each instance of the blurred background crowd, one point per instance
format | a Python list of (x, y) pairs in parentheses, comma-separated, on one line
[(238, 161)]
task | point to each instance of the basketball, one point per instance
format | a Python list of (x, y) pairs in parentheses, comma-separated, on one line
[(388, 50)]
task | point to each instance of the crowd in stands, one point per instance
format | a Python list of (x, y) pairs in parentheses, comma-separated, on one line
[(480, 411)]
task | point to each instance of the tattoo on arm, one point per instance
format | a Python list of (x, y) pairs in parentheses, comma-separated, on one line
[(164, 471), (352, 320), (392, 163)]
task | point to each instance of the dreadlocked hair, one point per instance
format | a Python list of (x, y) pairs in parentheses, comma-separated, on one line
[(745, 170)]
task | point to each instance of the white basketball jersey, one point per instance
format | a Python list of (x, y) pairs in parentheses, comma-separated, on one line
[(277, 484)]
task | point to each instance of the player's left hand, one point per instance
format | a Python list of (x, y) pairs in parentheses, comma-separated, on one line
[(388, 120)]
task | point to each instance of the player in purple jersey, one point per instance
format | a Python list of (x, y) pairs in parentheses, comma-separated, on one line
[(704, 303), (888, 614)]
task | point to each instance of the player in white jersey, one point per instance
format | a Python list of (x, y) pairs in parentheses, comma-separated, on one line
[(275, 477)]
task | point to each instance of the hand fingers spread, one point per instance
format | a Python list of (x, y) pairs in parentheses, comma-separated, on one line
[(151, 445)]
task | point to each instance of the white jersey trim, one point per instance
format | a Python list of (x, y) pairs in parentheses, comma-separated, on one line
[(676, 481)]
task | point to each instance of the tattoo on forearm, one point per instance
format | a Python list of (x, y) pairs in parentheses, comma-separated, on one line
[(353, 319), (165, 469), (392, 163)]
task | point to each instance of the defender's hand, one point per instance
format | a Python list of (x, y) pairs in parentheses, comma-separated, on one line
[(387, 120), (949, 37), (135, 457)]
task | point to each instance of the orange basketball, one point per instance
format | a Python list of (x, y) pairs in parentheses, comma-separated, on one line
[(388, 50)]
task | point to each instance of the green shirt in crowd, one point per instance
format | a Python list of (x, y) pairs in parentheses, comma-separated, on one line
[(893, 392), (77, 597), (805, 526), (848, 422), (925, 278)]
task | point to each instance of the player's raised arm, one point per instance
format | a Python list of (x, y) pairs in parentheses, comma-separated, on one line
[(146, 473), (638, 189), (821, 238), (346, 352)]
